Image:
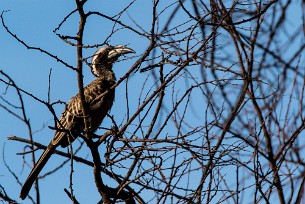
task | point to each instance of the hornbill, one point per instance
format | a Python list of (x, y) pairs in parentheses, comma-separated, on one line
[(71, 122)]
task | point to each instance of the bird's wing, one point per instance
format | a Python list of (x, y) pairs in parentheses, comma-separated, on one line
[(70, 123)]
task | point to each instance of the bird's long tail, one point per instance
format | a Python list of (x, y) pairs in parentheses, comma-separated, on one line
[(36, 170)]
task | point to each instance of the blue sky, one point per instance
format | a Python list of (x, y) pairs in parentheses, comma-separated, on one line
[(34, 22)]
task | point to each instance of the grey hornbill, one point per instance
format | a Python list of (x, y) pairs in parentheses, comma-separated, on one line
[(71, 122)]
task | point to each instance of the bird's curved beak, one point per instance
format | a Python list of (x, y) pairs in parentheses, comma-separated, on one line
[(119, 50)]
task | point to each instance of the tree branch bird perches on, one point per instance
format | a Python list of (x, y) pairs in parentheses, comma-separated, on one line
[(71, 122)]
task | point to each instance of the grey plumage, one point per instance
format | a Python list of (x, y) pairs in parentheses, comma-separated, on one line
[(71, 121)]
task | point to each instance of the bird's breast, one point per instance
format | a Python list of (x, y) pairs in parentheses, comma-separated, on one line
[(100, 99)]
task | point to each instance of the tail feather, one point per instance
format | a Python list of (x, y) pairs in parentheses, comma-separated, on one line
[(36, 170)]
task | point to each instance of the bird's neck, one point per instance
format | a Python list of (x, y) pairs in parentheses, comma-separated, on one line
[(103, 71), (105, 74)]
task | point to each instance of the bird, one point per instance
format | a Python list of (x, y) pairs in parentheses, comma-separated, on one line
[(71, 121)]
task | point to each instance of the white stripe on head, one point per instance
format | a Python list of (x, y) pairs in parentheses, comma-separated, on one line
[(95, 56)]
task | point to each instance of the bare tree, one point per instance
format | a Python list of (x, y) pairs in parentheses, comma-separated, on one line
[(217, 117)]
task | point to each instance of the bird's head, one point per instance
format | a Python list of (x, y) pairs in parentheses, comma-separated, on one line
[(104, 58)]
